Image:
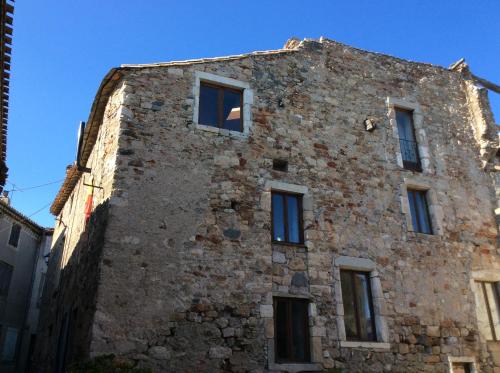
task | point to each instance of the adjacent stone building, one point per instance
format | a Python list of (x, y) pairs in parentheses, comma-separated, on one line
[(314, 208)]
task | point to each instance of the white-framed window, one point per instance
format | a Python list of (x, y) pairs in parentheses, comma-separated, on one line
[(358, 293), (406, 119), (419, 204), (462, 364), (222, 105), (486, 287), (419, 210), (292, 316), (297, 220)]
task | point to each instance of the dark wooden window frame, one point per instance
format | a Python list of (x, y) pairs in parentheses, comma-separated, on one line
[(285, 220), (418, 228), (16, 243), (489, 311), (407, 165), (468, 367), (307, 342), (220, 102), (356, 306)]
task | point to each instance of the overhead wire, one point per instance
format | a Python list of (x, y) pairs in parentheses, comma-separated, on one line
[(29, 216), (15, 189)]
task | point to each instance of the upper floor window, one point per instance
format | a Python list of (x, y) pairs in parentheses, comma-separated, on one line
[(287, 217), (292, 330), (419, 211), (359, 318), (407, 141), (221, 107), (488, 303), (5, 277), (15, 232)]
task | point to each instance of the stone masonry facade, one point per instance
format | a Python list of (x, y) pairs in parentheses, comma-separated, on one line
[(176, 271)]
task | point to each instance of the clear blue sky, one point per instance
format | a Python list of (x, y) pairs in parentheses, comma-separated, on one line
[(62, 50)]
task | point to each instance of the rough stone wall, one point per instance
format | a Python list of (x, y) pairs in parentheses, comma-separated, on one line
[(188, 269), (181, 293), (73, 272), (483, 122)]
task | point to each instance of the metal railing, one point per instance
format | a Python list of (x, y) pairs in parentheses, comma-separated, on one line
[(409, 153)]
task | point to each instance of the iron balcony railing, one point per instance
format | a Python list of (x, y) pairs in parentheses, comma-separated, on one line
[(409, 153)]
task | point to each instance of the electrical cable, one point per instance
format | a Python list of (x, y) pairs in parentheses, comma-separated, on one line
[(28, 216), (40, 209), (14, 189)]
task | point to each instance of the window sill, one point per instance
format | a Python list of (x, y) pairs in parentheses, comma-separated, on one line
[(362, 344), (222, 131), (417, 169), (425, 236), (282, 243), (296, 367)]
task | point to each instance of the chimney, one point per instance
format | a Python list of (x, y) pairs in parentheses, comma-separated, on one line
[(4, 198), (292, 43)]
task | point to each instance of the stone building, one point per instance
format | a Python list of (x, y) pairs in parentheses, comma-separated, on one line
[(24, 247), (313, 208)]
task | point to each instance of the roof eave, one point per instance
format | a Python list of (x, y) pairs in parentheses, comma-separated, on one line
[(104, 91)]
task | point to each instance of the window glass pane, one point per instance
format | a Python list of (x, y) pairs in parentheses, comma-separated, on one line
[(493, 303), (293, 218), (361, 283), (348, 301), (423, 213), (14, 235), (9, 345), (409, 152), (413, 210), (299, 330), (232, 110), (281, 330), (5, 277), (208, 106), (278, 218), (407, 142), (404, 120)]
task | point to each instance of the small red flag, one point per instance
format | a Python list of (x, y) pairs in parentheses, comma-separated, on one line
[(88, 203)]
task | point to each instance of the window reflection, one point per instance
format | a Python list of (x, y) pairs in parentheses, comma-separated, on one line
[(220, 107), (407, 141), (287, 217), (419, 211), (232, 110), (358, 309)]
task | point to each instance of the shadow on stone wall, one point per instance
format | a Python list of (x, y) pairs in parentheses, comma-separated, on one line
[(69, 297)]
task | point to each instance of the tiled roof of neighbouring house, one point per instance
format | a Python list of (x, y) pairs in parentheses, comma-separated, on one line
[(18, 216), (6, 14)]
